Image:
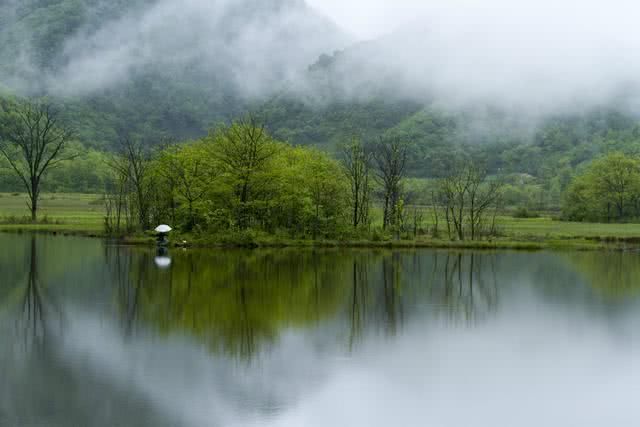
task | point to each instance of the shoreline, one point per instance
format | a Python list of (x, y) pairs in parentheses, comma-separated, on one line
[(598, 243)]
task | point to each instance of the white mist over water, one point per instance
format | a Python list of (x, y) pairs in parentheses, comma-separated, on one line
[(531, 364)]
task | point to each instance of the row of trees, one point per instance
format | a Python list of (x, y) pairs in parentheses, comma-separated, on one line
[(239, 178)]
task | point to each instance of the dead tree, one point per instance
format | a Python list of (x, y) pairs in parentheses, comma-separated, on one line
[(33, 141)]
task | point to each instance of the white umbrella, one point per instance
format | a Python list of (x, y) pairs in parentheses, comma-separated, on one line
[(163, 228)]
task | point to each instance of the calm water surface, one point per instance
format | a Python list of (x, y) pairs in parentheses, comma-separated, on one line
[(93, 334)]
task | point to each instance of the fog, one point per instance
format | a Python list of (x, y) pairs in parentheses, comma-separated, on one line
[(248, 44), (537, 55), (533, 363), (534, 55)]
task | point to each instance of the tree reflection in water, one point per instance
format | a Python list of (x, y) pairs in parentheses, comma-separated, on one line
[(239, 302), (38, 309), (465, 289)]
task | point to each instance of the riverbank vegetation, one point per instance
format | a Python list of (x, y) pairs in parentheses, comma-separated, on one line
[(83, 214), (241, 185), (239, 180)]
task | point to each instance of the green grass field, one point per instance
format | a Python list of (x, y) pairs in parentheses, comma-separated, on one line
[(58, 212), (546, 227), (84, 214)]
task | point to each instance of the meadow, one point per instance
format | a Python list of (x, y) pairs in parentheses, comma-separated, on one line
[(75, 213), (59, 212)]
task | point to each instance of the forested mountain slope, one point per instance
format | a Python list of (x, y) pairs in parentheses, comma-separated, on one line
[(157, 68)]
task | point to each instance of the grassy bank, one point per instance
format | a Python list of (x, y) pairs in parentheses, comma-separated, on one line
[(72, 213), (82, 214)]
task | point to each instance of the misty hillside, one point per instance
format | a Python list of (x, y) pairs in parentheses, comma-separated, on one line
[(359, 92), (156, 67)]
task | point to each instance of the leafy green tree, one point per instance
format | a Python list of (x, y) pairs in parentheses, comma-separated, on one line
[(609, 189), (244, 150), (189, 173), (327, 190)]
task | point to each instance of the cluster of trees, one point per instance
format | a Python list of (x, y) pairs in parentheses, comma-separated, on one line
[(607, 190), (158, 103), (239, 178), (467, 195)]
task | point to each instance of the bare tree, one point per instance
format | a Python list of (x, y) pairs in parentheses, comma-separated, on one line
[(132, 167), (33, 141), (117, 210), (391, 160), (357, 165), (483, 195), (467, 194)]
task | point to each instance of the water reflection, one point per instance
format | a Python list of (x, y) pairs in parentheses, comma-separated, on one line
[(314, 337), (33, 319), (39, 315), (235, 301), (467, 287), (615, 275), (162, 259)]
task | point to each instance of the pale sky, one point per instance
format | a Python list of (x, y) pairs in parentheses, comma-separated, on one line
[(370, 18)]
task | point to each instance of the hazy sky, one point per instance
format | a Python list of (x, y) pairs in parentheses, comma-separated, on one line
[(369, 18)]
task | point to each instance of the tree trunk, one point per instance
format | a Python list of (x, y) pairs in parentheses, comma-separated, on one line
[(34, 206)]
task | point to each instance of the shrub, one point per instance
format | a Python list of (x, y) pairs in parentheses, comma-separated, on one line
[(525, 213)]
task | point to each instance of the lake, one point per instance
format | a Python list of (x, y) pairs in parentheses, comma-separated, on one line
[(95, 334)]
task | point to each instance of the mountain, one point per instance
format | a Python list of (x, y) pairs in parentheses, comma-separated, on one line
[(157, 67)]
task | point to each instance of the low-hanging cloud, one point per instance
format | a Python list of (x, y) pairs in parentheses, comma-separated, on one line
[(248, 44), (538, 56)]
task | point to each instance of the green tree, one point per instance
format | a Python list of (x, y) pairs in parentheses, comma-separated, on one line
[(609, 189), (189, 172), (245, 150)]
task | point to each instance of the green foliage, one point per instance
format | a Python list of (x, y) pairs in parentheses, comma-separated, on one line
[(608, 190), (525, 213), (239, 179), (156, 103)]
